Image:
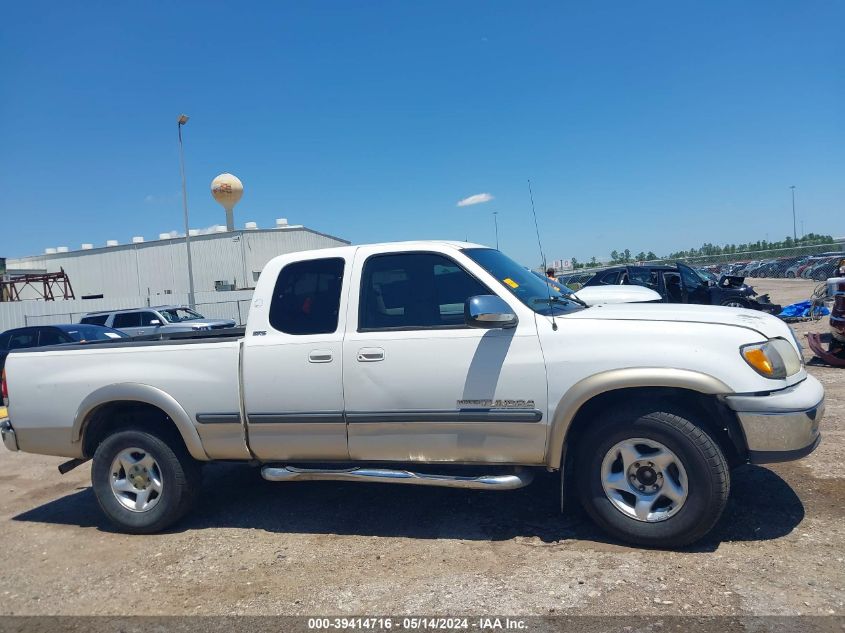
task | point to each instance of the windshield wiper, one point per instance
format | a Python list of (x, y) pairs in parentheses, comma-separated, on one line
[(571, 299)]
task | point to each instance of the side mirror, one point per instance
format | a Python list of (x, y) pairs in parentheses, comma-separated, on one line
[(155, 322), (488, 312)]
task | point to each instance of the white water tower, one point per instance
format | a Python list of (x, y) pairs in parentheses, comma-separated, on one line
[(227, 190)]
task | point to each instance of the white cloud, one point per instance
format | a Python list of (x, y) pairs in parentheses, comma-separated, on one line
[(475, 199)]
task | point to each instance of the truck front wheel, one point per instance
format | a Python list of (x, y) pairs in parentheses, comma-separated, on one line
[(653, 479), (142, 483)]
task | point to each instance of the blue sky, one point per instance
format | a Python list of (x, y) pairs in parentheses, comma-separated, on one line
[(646, 125)]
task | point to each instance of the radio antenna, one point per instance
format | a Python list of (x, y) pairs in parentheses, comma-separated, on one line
[(542, 255)]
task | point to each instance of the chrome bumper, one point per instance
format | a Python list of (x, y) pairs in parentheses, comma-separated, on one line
[(783, 425), (10, 440)]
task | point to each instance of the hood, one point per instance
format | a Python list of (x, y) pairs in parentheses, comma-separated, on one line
[(603, 295), (765, 324)]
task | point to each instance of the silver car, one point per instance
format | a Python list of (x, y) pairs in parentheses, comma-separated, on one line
[(152, 320)]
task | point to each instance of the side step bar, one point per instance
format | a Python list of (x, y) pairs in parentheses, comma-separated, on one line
[(510, 481)]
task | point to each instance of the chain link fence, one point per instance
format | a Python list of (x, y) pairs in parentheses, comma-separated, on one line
[(235, 310)]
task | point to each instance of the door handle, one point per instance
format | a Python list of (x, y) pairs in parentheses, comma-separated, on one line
[(370, 354), (320, 356)]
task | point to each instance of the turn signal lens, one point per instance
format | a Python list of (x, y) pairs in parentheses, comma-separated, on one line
[(776, 358), (758, 360)]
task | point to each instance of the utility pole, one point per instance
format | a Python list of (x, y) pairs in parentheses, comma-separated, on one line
[(496, 223), (794, 230), (182, 120)]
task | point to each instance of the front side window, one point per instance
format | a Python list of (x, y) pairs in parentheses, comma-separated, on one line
[(414, 291), (51, 336), (147, 318), (306, 299), (530, 289), (127, 319), (643, 277), (82, 333), (610, 278)]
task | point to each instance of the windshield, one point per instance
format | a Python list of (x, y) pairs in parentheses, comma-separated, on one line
[(177, 315), (531, 289), (82, 332)]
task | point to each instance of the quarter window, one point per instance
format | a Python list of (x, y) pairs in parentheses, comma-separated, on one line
[(415, 291), (306, 299)]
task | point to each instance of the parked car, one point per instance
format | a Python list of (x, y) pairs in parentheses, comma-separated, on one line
[(144, 321), (683, 284), (792, 270), (430, 363), (824, 269), (45, 335)]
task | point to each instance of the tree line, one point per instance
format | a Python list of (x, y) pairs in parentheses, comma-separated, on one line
[(708, 250)]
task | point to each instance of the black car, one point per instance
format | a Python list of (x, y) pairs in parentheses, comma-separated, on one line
[(682, 284), (44, 335)]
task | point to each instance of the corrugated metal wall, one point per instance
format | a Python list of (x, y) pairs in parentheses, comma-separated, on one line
[(155, 273)]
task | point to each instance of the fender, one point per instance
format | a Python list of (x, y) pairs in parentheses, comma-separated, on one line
[(138, 392), (615, 379)]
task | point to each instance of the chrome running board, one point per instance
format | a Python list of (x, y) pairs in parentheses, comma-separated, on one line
[(510, 481)]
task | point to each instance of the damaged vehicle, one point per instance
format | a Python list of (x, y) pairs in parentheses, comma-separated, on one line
[(683, 284)]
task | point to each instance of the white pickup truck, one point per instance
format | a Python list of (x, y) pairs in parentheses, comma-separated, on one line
[(431, 363)]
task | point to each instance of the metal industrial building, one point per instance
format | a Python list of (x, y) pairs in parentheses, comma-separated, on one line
[(155, 272)]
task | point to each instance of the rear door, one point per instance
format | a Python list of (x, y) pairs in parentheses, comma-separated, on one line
[(292, 367)]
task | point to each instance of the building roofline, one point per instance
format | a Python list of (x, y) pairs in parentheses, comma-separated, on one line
[(172, 240)]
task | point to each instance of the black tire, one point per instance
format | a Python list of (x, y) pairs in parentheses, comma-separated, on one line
[(727, 303), (707, 471), (180, 476)]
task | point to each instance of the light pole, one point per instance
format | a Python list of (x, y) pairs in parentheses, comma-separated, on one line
[(182, 120), (794, 231), (496, 224)]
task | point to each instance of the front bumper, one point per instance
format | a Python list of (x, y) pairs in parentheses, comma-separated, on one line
[(10, 440), (783, 425)]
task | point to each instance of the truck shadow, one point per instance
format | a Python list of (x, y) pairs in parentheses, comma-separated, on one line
[(762, 506)]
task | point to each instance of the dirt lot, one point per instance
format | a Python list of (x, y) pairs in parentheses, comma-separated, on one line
[(253, 547)]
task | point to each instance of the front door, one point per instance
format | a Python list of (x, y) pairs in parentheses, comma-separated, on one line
[(696, 289), (422, 386), (292, 366)]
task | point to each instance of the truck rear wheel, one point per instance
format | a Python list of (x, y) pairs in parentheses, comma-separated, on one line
[(142, 483), (653, 479)]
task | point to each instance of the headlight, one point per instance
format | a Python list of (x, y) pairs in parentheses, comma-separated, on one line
[(776, 358)]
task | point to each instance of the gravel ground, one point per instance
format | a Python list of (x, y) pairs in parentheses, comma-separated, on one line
[(253, 547)]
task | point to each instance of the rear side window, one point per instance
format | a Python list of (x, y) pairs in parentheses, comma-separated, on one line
[(24, 338), (415, 291), (4, 340), (99, 319), (127, 319), (306, 299)]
